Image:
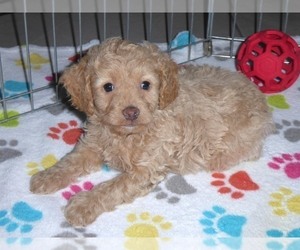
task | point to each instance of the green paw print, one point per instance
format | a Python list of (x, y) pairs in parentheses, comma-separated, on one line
[(277, 102), (10, 123)]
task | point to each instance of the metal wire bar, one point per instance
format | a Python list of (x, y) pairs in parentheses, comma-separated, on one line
[(104, 20), (80, 28), (236, 39), (2, 96), (148, 32), (233, 28), (210, 18), (170, 26), (128, 20), (28, 112), (191, 30), (259, 16), (285, 17), (55, 50), (15, 96), (28, 63)]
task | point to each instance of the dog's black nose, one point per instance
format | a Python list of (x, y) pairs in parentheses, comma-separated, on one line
[(131, 113)]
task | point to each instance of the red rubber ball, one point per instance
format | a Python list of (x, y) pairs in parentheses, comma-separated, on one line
[(271, 59)]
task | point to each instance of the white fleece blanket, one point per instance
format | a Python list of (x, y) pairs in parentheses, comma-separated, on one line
[(255, 205)]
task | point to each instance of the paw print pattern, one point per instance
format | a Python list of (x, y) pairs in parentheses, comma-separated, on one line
[(222, 228), (237, 182), (75, 58), (145, 231), (50, 78), (291, 130), (56, 109), (47, 162), (76, 244), (288, 163), (14, 88), (21, 218), (36, 61), (72, 232), (68, 132), (278, 244), (284, 202), (175, 186), (61, 107), (13, 122), (75, 189), (8, 151), (275, 233)]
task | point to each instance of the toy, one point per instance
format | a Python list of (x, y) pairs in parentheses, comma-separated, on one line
[(182, 39), (271, 59)]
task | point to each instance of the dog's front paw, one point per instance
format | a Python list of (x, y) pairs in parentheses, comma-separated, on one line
[(82, 210), (48, 181)]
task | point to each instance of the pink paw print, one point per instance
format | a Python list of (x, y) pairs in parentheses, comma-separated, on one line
[(289, 163), (49, 79), (75, 189), (68, 132), (235, 184), (75, 58)]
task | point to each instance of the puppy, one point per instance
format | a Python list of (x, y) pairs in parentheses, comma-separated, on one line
[(147, 117)]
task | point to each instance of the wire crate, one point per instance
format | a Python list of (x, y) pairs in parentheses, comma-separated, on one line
[(53, 30)]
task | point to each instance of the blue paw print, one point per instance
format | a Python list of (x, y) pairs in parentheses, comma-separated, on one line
[(13, 88), (19, 219), (183, 38), (222, 227), (284, 242)]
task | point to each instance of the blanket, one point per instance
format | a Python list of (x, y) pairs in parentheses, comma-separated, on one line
[(255, 205)]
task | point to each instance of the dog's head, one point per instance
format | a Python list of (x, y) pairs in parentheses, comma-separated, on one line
[(122, 83)]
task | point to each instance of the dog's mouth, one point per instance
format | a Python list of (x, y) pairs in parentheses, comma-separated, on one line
[(126, 123), (129, 127)]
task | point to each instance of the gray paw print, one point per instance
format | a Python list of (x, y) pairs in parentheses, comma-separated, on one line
[(62, 107), (59, 107), (56, 109), (7, 150), (291, 130), (175, 186), (71, 232), (76, 244)]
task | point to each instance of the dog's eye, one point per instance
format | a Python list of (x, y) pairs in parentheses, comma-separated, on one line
[(145, 85), (108, 87)]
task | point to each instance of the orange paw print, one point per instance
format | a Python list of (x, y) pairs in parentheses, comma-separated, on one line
[(235, 184), (68, 132)]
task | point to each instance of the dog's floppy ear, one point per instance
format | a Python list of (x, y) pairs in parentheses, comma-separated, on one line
[(78, 85), (168, 71), (169, 82)]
